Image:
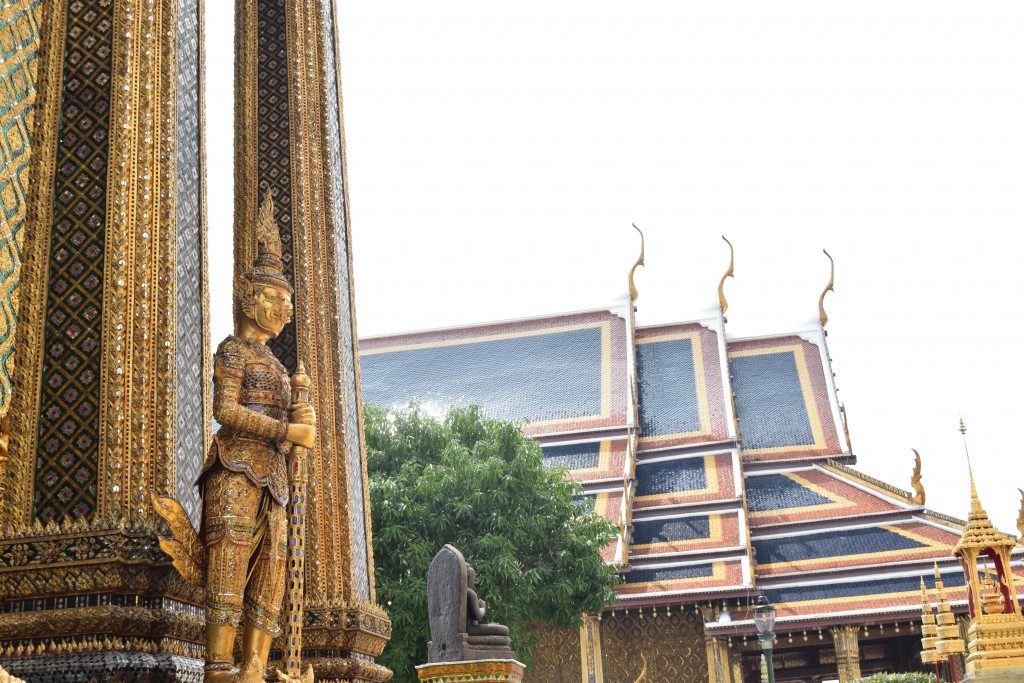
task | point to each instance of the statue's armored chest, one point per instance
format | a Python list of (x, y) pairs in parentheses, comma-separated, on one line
[(265, 384)]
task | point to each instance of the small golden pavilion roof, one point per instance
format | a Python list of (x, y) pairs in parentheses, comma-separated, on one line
[(979, 532)]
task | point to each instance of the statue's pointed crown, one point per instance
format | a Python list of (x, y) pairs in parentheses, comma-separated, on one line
[(268, 269)]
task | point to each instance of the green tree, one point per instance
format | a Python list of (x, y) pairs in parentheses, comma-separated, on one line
[(482, 486)]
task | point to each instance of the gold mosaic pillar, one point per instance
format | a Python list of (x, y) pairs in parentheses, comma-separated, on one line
[(847, 652), (110, 385), (290, 142), (724, 665), (591, 653)]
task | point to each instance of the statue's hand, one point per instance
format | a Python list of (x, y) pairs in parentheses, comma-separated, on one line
[(301, 434)]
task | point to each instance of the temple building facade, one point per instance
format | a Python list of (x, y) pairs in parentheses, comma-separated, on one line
[(727, 466)]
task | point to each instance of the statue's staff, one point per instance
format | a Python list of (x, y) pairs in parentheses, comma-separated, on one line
[(298, 476)]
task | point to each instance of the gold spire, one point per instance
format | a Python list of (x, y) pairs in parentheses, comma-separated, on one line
[(975, 501), (915, 480), (828, 288), (633, 294), (723, 303)]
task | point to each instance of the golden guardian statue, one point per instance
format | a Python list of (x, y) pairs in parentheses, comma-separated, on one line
[(240, 552)]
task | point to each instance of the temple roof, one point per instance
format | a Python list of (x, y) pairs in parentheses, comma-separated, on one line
[(732, 479)]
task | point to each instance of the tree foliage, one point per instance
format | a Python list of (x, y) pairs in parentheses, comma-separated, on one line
[(480, 485)]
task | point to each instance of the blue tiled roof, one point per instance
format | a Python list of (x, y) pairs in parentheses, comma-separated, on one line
[(687, 474), (770, 407), (696, 571), (779, 492), (576, 457), (545, 376), (668, 389), (826, 591), (669, 530), (835, 543)]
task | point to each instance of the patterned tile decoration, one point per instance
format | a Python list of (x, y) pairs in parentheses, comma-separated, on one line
[(808, 495), (19, 45), (847, 596), (66, 461), (681, 391), (782, 400), (105, 666), (672, 643), (684, 480), (556, 657), (359, 507), (683, 534), (838, 548), (644, 581), (189, 348), (561, 374), (274, 147), (608, 504), (589, 462)]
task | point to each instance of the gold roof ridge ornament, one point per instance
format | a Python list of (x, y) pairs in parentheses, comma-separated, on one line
[(1020, 518), (633, 293), (822, 316), (723, 303), (915, 480)]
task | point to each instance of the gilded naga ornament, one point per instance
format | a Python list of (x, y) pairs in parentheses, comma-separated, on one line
[(915, 480), (241, 550)]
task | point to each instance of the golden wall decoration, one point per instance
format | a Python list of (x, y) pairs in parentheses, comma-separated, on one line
[(556, 657), (672, 643), (19, 46)]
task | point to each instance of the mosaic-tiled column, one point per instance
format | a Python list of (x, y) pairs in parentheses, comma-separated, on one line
[(846, 639), (591, 654), (111, 368), (722, 662), (290, 142)]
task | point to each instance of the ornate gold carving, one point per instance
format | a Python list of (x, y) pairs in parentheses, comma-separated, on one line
[(915, 480), (847, 652), (673, 644), (822, 316), (723, 303)]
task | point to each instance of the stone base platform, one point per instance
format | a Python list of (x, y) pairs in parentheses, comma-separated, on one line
[(484, 670), (1013, 674)]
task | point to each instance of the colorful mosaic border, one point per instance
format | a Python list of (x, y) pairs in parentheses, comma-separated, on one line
[(723, 532)]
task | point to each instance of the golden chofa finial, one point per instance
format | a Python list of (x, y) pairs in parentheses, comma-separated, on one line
[(915, 480), (828, 288), (1020, 518), (633, 294), (723, 303)]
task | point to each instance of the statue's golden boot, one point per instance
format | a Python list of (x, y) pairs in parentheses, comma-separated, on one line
[(220, 641), (255, 650)]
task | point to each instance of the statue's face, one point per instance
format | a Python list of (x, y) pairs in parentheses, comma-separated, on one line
[(273, 310)]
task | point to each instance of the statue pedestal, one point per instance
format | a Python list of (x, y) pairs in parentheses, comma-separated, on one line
[(489, 670)]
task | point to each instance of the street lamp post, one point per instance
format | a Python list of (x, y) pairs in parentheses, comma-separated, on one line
[(764, 619)]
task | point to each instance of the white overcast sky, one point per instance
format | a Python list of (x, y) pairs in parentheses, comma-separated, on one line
[(498, 151)]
